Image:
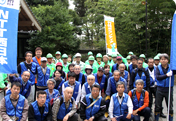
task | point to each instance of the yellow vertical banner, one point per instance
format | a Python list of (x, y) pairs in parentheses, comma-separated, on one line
[(110, 36)]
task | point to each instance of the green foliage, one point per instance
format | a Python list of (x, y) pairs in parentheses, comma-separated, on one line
[(58, 30), (130, 27)]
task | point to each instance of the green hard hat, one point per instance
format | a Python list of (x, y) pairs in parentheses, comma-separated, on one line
[(58, 53), (130, 53), (128, 57), (156, 58), (49, 55), (142, 56), (90, 53), (99, 55), (91, 58), (158, 54), (64, 56), (109, 54), (114, 55)]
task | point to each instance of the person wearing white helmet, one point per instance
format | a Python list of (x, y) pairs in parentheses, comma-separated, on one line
[(78, 61)]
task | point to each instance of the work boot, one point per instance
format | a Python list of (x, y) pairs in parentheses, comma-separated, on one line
[(162, 114), (157, 116), (170, 117)]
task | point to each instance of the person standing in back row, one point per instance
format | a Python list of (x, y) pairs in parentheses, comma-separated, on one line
[(163, 73), (27, 65)]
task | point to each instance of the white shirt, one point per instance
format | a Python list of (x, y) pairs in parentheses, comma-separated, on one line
[(111, 105), (84, 91), (73, 86), (81, 64)]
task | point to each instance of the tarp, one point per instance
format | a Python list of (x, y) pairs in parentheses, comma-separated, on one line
[(9, 11), (173, 44)]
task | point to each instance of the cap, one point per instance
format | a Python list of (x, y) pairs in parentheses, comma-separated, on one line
[(90, 53), (88, 67), (91, 58), (77, 55), (43, 59), (49, 55), (105, 56), (58, 53), (59, 64), (100, 69), (99, 55), (114, 55), (119, 58), (156, 58), (64, 56), (158, 54), (109, 54), (128, 57), (142, 56), (130, 53)]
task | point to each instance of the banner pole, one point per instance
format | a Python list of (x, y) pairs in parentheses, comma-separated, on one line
[(168, 108)]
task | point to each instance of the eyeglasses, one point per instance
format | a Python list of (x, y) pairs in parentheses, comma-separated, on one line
[(77, 69), (139, 63)]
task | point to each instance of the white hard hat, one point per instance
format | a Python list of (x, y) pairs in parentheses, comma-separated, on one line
[(77, 55)]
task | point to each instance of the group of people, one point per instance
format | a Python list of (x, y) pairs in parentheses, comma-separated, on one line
[(58, 89)]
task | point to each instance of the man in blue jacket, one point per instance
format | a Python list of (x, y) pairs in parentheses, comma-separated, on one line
[(75, 85), (43, 75), (40, 110), (121, 107), (51, 92), (30, 66), (64, 108), (140, 73), (14, 107), (25, 84), (93, 106), (163, 76)]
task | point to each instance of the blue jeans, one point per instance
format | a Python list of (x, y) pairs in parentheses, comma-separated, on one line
[(145, 112), (123, 118)]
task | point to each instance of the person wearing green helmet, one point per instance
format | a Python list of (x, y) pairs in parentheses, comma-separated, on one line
[(65, 63), (58, 57), (89, 54), (156, 61), (50, 65), (142, 56), (130, 53), (3, 87), (128, 59), (113, 61), (105, 61), (110, 57), (98, 59), (92, 64)]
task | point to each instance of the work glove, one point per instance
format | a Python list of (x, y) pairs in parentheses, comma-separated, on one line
[(169, 73)]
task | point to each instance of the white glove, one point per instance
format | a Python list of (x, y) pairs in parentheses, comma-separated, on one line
[(169, 73)]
